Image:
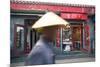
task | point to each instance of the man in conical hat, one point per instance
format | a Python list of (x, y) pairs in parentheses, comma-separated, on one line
[(42, 52)]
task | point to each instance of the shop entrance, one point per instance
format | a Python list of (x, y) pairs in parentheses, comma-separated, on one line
[(24, 38), (77, 37), (31, 36), (72, 38)]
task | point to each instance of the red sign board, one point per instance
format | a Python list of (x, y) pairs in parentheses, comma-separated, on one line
[(77, 16), (19, 6)]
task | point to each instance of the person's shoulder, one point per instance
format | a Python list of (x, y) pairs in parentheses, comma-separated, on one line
[(39, 47), (37, 50), (40, 44)]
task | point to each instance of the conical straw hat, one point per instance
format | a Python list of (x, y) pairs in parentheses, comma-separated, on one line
[(49, 19)]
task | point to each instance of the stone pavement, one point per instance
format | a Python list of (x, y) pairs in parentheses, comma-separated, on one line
[(76, 60), (63, 61), (71, 57)]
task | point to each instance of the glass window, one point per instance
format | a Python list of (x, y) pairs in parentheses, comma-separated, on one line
[(66, 34), (20, 37)]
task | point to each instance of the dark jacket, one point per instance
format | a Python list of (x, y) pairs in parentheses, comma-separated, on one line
[(41, 53)]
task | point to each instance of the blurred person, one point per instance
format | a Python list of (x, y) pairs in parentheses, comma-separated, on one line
[(42, 52)]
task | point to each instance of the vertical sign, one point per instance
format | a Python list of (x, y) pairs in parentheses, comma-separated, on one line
[(87, 37), (58, 38)]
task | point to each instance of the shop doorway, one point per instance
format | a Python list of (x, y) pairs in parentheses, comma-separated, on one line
[(24, 38), (31, 36), (72, 38), (77, 36)]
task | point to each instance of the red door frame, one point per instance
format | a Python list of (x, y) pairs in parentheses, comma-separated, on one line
[(87, 32)]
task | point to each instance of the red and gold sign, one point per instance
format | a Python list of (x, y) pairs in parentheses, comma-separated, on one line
[(74, 16)]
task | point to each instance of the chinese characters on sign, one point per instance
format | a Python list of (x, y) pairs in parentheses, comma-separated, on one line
[(74, 16)]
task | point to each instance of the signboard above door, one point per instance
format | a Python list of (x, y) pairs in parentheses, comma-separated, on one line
[(76, 16)]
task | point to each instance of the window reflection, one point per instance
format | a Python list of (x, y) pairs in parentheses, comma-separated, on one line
[(67, 39)]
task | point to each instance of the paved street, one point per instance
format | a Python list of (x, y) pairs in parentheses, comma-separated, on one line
[(75, 60), (67, 60), (72, 57)]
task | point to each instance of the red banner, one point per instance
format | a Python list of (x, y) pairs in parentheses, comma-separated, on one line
[(19, 6), (74, 16)]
